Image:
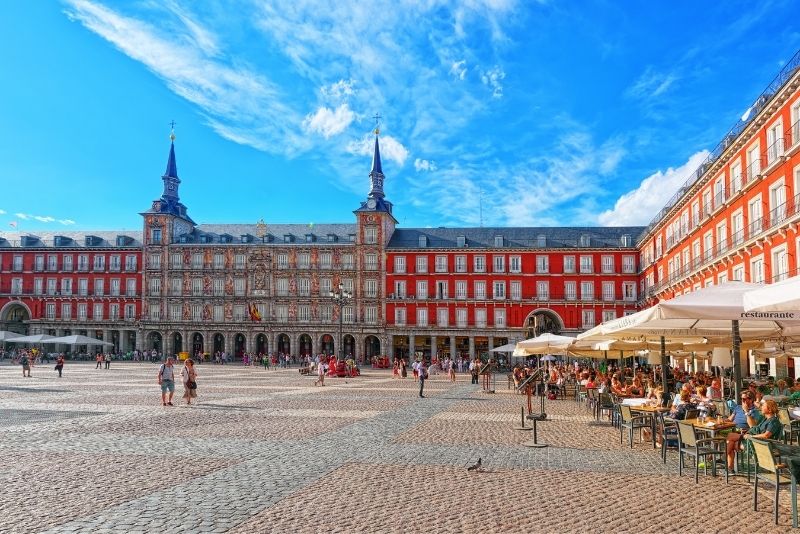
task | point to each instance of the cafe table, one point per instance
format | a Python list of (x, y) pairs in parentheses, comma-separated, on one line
[(652, 411), (711, 425)]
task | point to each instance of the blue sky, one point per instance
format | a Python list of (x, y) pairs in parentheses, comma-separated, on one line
[(495, 111)]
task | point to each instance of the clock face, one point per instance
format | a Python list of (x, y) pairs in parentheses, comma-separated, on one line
[(371, 203)]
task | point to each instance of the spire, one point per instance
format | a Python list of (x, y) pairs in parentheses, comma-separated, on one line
[(172, 167), (376, 174), (170, 178)]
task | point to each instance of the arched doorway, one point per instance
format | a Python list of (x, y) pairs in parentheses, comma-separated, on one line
[(197, 344), (14, 317), (177, 342), (305, 345), (261, 344), (372, 347), (219, 343), (154, 341), (541, 322), (284, 345), (239, 345), (349, 344), (326, 344)]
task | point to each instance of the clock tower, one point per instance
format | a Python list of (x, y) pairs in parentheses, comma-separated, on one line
[(167, 219)]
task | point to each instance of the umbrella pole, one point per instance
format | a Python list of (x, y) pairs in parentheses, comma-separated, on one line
[(737, 363), (664, 390)]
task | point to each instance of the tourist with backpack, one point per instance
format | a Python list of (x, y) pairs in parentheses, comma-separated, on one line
[(166, 379)]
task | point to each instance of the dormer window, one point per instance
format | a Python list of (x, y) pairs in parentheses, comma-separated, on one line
[(498, 241), (331, 238), (461, 241), (423, 241), (351, 238), (585, 240), (541, 241), (287, 238), (626, 240), (309, 238)]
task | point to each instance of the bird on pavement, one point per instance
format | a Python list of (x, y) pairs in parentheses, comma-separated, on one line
[(476, 466)]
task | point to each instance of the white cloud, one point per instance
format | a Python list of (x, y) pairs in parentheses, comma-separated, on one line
[(458, 69), (328, 122), (23, 216), (339, 90), (44, 219), (651, 84), (391, 148), (638, 207), (2, 212), (66, 222), (493, 79), (424, 165)]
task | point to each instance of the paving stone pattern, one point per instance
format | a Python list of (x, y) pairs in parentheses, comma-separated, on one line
[(266, 451)]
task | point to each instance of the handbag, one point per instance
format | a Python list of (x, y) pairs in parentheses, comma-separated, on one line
[(192, 384)]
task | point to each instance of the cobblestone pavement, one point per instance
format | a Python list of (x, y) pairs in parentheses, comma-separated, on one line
[(266, 451)]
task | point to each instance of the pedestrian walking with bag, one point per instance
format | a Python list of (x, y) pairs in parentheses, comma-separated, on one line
[(166, 379), (60, 364), (189, 376), (422, 369)]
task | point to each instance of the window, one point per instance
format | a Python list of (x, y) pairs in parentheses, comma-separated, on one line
[(197, 312), (461, 264), (607, 264), (66, 286), (51, 286), (370, 235), (780, 264), (541, 241), (516, 290), (347, 262), (176, 260), (304, 260), (175, 287), (441, 289), (626, 240), (587, 290), (543, 290), (175, 312), (66, 311), (155, 236), (480, 290), (628, 264), (50, 310), (239, 286), (370, 288), (480, 317), (736, 178), (197, 286), (400, 289), (515, 264), (155, 262), (757, 270), (115, 287), (422, 264), (304, 313), (480, 264), (100, 263), (461, 317), (154, 287), (400, 316), (130, 311), (629, 291), (542, 264), (282, 313), (499, 318), (498, 264), (114, 262), (777, 202), (570, 292), (282, 287), (400, 264), (283, 261), (499, 290), (18, 263), (326, 313), (774, 141), (609, 315), (325, 260), (325, 287), (370, 314), (99, 285), (52, 262), (67, 262), (608, 291), (722, 277), (371, 262), (756, 219), (219, 287), (586, 264), (423, 241), (569, 264), (82, 311), (588, 318), (97, 312), (461, 241), (38, 286), (498, 241), (347, 283), (461, 289), (442, 317), (304, 287), (422, 316), (422, 289), (16, 286), (753, 162), (585, 241), (441, 264)]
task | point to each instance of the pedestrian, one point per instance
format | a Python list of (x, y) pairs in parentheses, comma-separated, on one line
[(265, 361), (415, 370), (474, 368), (166, 379), (320, 374), (451, 370), (108, 360), (422, 370), (403, 370), (26, 365), (60, 364), (99, 360), (189, 376)]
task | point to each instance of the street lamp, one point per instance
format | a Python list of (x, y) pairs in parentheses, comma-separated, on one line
[(341, 298)]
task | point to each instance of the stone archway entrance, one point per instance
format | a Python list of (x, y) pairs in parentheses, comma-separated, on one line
[(372, 347), (541, 322), (261, 344), (14, 317)]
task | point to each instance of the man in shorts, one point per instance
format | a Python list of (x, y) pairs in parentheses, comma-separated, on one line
[(166, 379)]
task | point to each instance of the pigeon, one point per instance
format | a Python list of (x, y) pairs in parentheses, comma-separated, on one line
[(476, 466)]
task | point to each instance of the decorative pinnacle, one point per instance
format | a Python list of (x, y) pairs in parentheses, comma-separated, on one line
[(172, 131), (377, 118)]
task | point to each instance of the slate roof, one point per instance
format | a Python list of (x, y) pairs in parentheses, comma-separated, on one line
[(74, 239), (297, 232), (483, 238)]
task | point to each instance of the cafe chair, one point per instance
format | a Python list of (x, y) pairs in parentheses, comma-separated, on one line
[(688, 444), (769, 471), (667, 431), (791, 427), (631, 422), (722, 408), (605, 403)]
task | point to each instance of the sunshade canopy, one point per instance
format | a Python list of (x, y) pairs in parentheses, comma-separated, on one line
[(79, 340), (780, 297)]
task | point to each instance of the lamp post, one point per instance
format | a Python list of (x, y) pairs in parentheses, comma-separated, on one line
[(341, 298)]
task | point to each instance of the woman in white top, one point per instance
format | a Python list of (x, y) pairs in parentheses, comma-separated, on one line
[(189, 376)]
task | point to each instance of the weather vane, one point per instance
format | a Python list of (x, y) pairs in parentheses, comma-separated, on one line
[(377, 118), (172, 131)]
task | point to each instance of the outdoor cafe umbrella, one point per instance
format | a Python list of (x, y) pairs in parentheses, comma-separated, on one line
[(712, 311), (782, 296), (36, 338), (508, 347), (5, 335), (543, 344), (79, 340)]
